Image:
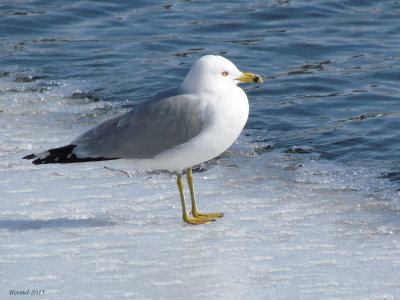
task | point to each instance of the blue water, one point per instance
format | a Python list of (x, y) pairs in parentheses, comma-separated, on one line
[(330, 68), (310, 190)]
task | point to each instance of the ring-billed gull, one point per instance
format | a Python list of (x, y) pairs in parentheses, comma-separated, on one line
[(174, 130)]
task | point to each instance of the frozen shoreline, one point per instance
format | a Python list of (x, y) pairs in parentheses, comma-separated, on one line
[(294, 226), (115, 236)]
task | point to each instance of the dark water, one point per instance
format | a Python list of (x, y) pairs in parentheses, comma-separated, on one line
[(331, 68)]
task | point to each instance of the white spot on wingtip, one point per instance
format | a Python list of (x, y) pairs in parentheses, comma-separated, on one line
[(69, 156), (56, 159)]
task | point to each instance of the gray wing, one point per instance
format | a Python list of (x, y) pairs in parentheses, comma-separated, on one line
[(165, 121)]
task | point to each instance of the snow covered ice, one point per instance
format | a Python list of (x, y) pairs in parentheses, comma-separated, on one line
[(294, 226)]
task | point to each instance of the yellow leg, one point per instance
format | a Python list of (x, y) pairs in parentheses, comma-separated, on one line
[(195, 211), (196, 219)]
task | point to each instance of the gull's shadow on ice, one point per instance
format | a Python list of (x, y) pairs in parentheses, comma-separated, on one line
[(55, 223)]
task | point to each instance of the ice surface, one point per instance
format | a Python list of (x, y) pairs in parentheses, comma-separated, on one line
[(294, 226)]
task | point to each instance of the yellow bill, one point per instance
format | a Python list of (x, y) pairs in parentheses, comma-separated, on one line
[(250, 77)]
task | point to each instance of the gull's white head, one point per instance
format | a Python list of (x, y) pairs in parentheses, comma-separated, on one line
[(213, 73)]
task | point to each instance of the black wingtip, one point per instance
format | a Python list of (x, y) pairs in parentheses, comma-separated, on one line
[(30, 156), (61, 155)]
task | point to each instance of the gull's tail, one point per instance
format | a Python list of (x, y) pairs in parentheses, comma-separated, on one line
[(61, 155)]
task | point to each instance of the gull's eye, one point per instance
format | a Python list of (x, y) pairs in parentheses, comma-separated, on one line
[(225, 73)]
